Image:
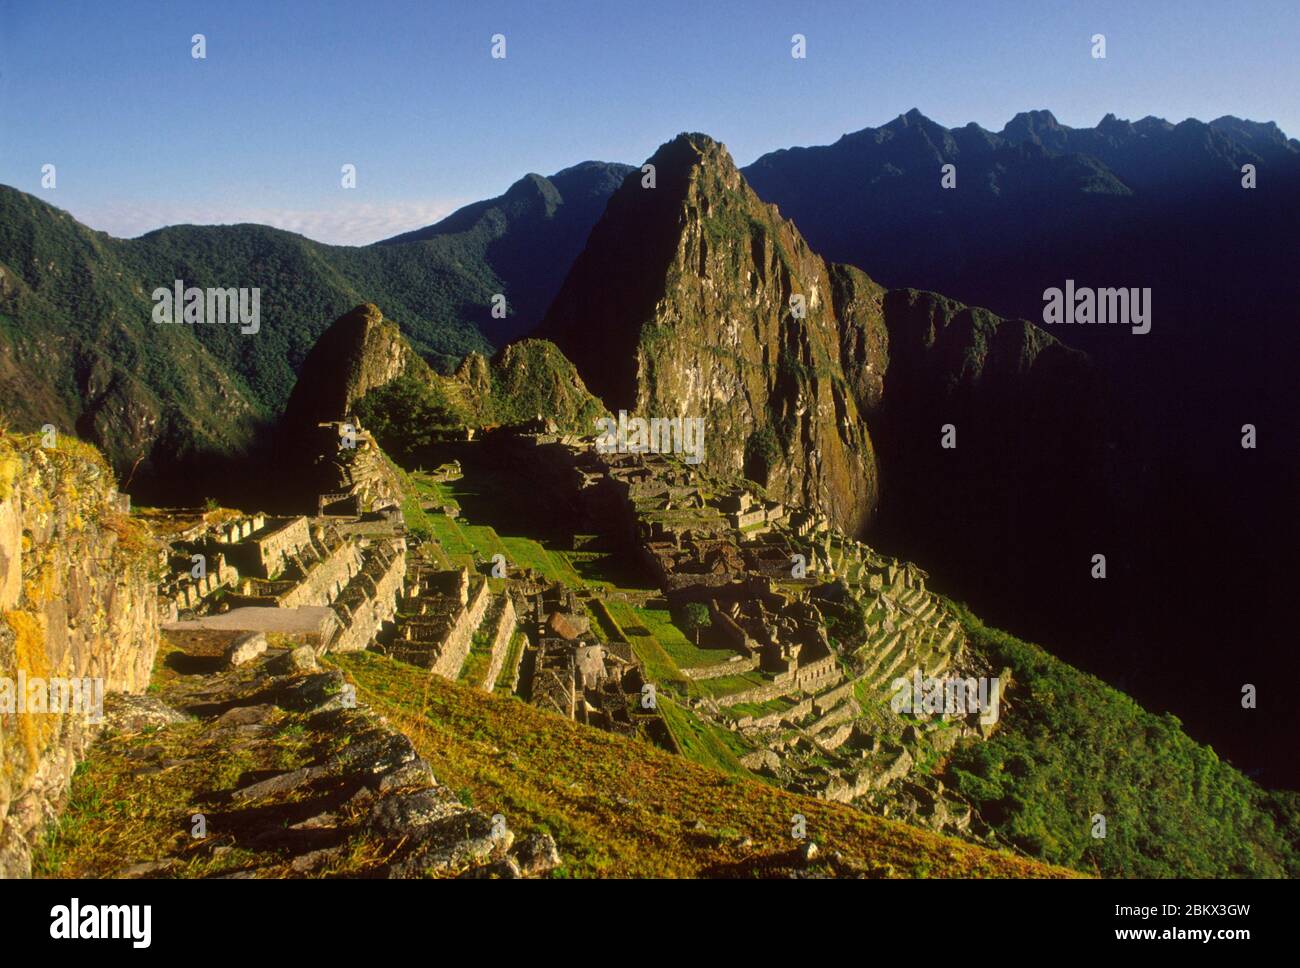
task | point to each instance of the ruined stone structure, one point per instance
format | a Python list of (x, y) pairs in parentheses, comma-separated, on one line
[(442, 611), (597, 683), (818, 622), (369, 601)]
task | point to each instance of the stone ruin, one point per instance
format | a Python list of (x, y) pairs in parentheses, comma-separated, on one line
[(823, 643), (256, 566)]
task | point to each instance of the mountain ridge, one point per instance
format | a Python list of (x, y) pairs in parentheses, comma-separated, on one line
[(172, 405)]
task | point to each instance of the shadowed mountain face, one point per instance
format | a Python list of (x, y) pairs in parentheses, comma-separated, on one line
[(170, 405), (1033, 201), (1141, 204), (360, 352)]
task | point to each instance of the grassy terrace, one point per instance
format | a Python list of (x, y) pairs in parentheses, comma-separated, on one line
[(529, 553), (621, 808), (703, 742), (460, 540), (757, 709), (726, 685), (686, 654), (603, 623), (447, 533), (658, 664), (516, 647), (602, 569), (480, 654)]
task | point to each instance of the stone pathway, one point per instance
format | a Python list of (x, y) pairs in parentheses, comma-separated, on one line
[(348, 795)]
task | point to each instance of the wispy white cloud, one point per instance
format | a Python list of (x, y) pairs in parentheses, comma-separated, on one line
[(357, 223)]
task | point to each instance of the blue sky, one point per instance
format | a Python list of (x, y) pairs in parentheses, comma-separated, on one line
[(144, 135)]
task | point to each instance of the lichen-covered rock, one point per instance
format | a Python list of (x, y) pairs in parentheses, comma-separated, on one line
[(536, 854), (78, 608), (127, 713), (320, 692), (299, 661)]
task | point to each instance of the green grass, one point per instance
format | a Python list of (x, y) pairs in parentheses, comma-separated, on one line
[(757, 709), (517, 643), (600, 569), (603, 623), (727, 685), (684, 653), (703, 742), (528, 553), (478, 660), (133, 796), (447, 533), (657, 663), (484, 540)]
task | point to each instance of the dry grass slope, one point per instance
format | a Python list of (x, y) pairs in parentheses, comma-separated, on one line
[(619, 808)]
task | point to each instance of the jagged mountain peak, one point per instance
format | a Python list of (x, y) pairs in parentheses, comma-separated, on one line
[(678, 157), (360, 351), (909, 119), (1027, 125)]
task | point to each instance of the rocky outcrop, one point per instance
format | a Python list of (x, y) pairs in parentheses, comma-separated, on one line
[(531, 378), (363, 366), (693, 298), (78, 619), (525, 380), (864, 336), (359, 352)]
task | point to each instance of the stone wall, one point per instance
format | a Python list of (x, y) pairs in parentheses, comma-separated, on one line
[(456, 646), (500, 644), (832, 698), (795, 713), (327, 579), (732, 667), (812, 676), (735, 636), (783, 686), (274, 546), (78, 601), (370, 599), (805, 679)]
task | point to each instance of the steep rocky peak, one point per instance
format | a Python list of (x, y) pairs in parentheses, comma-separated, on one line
[(910, 119), (360, 350), (682, 305), (474, 373), (1111, 125)]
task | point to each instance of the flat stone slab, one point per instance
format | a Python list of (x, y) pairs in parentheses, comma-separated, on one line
[(316, 622)]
